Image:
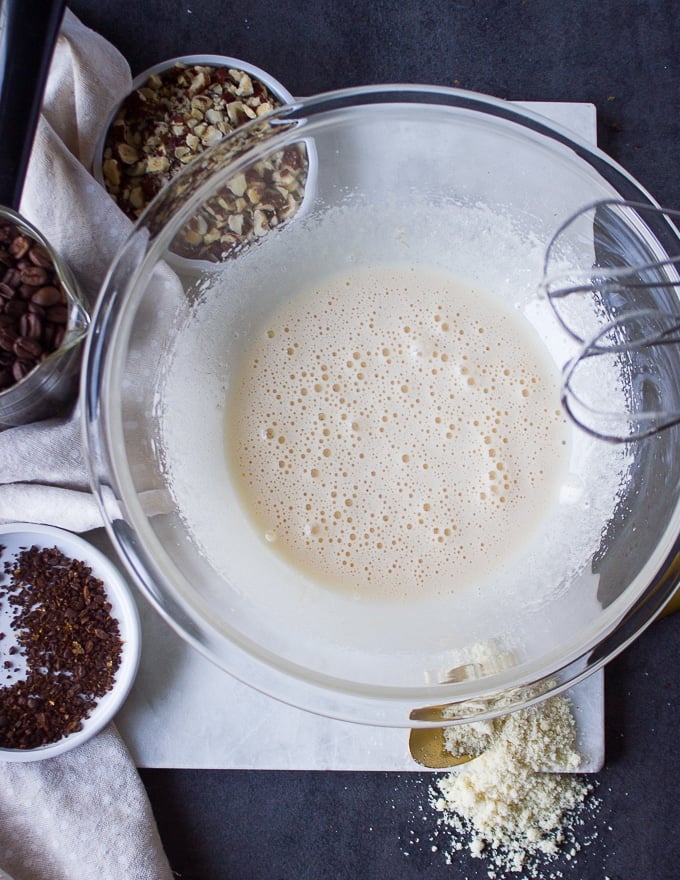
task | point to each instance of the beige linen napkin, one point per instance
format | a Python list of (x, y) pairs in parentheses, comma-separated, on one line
[(43, 476), (84, 814), (79, 816), (42, 471)]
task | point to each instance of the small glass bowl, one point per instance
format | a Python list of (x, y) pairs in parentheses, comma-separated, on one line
[(52, 385), (181, 258), (16, 537)]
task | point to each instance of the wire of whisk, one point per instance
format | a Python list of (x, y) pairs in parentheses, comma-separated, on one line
[(597, 225), (633, 284), (615, 281), (624, 425)]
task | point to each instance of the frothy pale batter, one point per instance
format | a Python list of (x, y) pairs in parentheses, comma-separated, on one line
[(394, 433)]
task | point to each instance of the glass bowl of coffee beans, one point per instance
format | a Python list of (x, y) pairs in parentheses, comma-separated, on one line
[(42, 323), (69, 641)]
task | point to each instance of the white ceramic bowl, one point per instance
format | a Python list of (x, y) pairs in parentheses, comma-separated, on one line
[(18, 536)]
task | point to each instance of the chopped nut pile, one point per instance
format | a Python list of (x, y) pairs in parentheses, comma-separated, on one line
[(169, 121), (66, 639)]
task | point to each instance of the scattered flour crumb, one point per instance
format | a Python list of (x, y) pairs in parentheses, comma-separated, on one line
[(503, 806)]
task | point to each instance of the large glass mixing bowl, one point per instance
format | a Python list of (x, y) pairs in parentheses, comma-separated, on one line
[(424, 179)]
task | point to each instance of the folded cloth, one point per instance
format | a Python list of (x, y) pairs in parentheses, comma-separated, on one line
[(88, 78), (80, 815), (83, 814), (43, 477)]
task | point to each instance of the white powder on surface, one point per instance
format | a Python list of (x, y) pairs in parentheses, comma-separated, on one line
[(501, 806)]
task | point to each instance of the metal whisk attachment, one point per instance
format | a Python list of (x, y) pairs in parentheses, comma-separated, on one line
[(612, 277)]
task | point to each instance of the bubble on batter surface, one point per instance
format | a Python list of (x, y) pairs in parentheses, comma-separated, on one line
[(394, 432)]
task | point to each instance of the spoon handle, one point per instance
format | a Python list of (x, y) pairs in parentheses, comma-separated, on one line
[(28, 32)]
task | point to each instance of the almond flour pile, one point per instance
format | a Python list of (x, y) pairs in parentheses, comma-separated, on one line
[(501, 806)]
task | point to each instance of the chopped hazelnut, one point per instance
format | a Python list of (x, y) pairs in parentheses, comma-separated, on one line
[(199, 82), (137, 197), (192, 237), (245, 86), (202, 103), (111, 173), (214, 116), (237, 184), (193, 142), (255, 192), (172, 119), (157, 164), (239, 112), (211, 236), (260, 223), (211, 136), (235, 223), (127, 154)]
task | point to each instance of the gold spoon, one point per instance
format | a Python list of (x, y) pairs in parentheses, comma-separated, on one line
[(427, 745), (674, 603), (428, 748)]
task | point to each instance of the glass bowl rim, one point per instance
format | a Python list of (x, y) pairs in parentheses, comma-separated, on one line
[(391, 707)]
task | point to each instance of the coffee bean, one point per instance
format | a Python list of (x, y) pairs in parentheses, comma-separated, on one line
[(33, 276), (16, 307), (26, 348), (59, 334), (49, 334), (47, 296), (21, 369), (57, 314), (33, 306), (39, 257), (30, 325), (8, 336), (12, 277), (19, 247)]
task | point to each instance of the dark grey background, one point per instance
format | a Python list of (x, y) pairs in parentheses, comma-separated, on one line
[(621, 56)]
